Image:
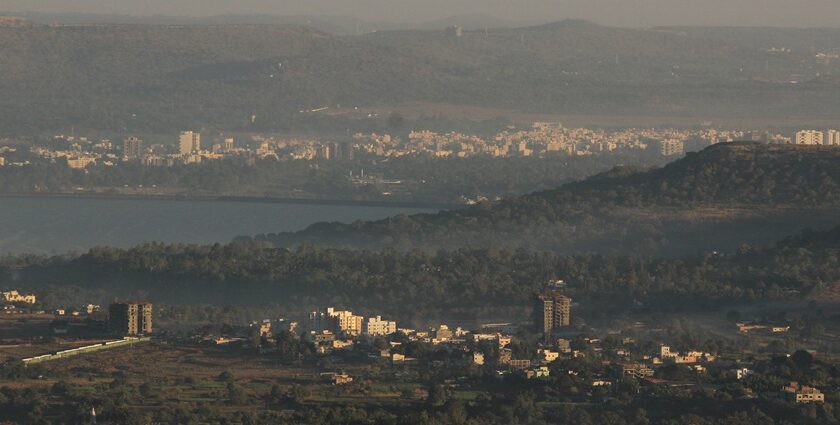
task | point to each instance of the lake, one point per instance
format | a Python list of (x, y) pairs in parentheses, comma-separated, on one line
[(58, 225)]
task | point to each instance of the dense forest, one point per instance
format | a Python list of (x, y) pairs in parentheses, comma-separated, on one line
[(716, 199), (487, 281), (265, 77)]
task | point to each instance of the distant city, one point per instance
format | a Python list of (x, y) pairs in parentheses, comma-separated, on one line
[(542, 139)]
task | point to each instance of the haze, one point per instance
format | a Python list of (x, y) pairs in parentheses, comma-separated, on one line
[(633, 13)]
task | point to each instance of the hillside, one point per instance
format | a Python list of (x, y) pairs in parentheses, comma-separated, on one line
[(168, 77), (491, 283), (716, 199)]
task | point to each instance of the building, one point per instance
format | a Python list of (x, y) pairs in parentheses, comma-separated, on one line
[(802, 393), (538, 372), (832, 138), (14, 296), (338, 321), (521, 364), (189, 142), (442, 333), (81, 162), (132, 148), (671, 147), (131, 318), (637, 370), (230, 144), (809, 137), (547, 356), (375, 326), (552, 312), (265, 329)]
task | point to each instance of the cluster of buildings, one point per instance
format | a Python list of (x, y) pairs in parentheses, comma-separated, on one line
[(817, 137), (543, 138), (13, 296), (346, 323)]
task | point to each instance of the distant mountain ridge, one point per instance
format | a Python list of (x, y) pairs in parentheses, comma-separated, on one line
[(163, 78), (716, 199)]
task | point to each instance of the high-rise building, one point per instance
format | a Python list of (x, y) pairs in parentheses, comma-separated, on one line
[(832, 138), (131, 318), (132, 148), (190, 142), (809, 137), (552, 312)]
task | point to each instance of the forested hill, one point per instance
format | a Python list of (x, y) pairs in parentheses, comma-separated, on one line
[(730, 173), (488, 282), (712, 200), (168, 77)]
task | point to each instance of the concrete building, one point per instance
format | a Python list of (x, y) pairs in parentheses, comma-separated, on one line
[(189, 142), (442, 333), (14, 296), (338, 321), (552, 312), (671, 147), (130, 318), (809, 137), (832, 138), (802, 393), (132, 148), (375, 326), (637, 370), (230, 144)]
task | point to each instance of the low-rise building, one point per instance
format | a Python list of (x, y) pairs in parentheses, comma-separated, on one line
[(548, 356), (802, 393), (519, 363), (637, 370), (14, 296), (538, 372), (375, 326)]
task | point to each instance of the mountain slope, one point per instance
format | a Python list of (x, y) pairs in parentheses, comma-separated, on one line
[(713, 200), (168, 77)]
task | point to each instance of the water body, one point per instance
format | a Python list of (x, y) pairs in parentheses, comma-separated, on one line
[(59, 225)]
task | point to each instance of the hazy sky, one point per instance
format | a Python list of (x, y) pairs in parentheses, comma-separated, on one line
[(802, 13)]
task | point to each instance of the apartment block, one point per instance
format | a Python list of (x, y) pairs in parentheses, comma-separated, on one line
[(809, 137), (131, 318), (552, 312), (375, 326), (189, 142)]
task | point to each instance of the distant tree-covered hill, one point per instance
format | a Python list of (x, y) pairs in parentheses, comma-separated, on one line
[(712, 200), (260, 77), (465, 283)]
